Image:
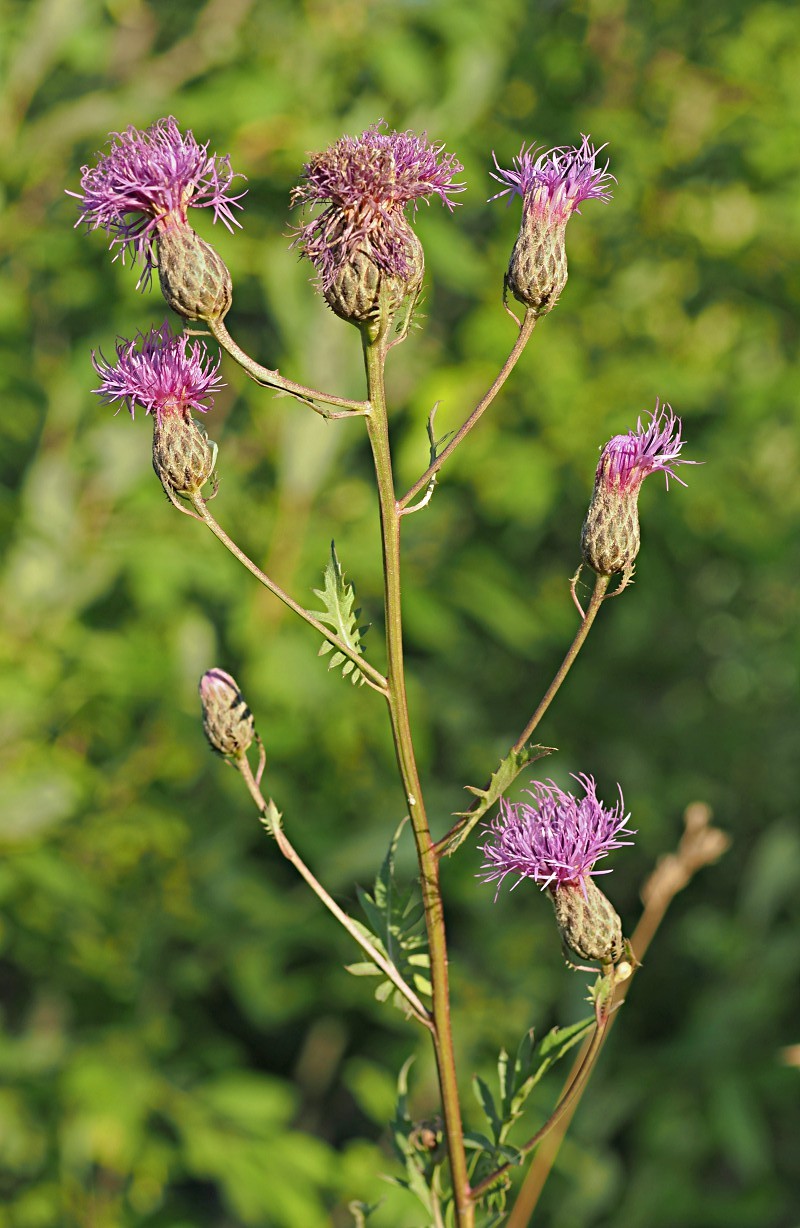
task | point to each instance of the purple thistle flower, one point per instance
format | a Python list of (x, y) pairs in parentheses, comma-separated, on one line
[(555, 182), (146, 182), (627, 460), (366, 182), (161, 374), (556, 839)]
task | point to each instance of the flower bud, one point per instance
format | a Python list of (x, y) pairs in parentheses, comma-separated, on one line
[(537, 270), (587, 921), (227, 720), (183, 455), (610, 538), (194, 280)]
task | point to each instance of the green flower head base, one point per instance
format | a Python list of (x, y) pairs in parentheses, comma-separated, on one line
[(556, 838), (161, 373), (144, 185)]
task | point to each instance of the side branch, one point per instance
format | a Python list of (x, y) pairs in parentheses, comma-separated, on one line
[(372, 676), (517, 759), (525, 331), (272, 379), (271, 821)]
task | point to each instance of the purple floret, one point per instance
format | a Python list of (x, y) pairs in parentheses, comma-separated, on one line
[(556, 839), (162, 374), (627, 460), (366, 182), (149, 176), (557, 180)]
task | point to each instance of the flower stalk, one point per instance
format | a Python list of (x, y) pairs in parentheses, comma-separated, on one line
[(390, 514)]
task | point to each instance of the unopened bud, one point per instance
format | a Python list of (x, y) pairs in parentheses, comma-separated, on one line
[(183, 455), (537, 270), (194, 280), (587, 920), (227, 720), (610, 539)]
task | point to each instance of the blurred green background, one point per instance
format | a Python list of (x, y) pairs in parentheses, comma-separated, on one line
[(180, 1046)]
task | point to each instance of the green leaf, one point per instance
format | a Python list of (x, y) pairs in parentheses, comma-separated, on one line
[(562, 1039), (394, 918), (502, 779), (338, 598), (486, 1101)]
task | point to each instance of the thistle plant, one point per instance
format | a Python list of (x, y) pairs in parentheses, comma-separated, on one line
[(358, 200)]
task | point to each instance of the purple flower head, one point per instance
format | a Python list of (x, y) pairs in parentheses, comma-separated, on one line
[(366, 182), (161, 374), (627, 460), (554, 183), (145, 183), (555, 839)]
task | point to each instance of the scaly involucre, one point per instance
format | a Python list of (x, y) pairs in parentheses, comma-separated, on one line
[(556, 181), (160, 373), (654, 447), (146, 181), (555, 839), (366, 182)]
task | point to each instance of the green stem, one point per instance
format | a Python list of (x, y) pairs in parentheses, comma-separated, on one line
[(595, 601), (272, 379), (390, 511), (460, 830), (569, 1097), (371, 675), (523, 336), (271, 821)]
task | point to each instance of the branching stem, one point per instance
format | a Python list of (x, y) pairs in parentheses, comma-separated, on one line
[(272, 379), (372, 676), (390, 511), (523, 336), (290, 853)]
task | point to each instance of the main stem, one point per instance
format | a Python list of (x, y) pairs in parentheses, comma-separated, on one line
[(378, 430)]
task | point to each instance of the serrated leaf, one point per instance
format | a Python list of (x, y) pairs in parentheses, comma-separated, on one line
[(501, 780), (338, 598), (394, 918)]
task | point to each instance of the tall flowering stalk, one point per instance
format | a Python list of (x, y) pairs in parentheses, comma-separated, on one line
[(369, 266)]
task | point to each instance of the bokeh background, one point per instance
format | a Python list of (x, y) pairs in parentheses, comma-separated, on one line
[(180, 1045)]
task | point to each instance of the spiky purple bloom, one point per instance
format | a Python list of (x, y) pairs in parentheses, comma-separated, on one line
[(146, 182), (161, 373), (555, 839), (654, 447), (365, 183), (555, 182)]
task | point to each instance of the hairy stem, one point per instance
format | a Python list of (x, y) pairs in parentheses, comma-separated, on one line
[(372, 676), (523, 336), (272, 379), (390, 511), (273, 826)]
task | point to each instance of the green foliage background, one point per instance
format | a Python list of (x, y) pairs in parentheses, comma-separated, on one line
[(180, 1046)]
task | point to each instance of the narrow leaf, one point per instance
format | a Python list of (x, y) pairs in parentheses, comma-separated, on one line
[(505, 775)]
